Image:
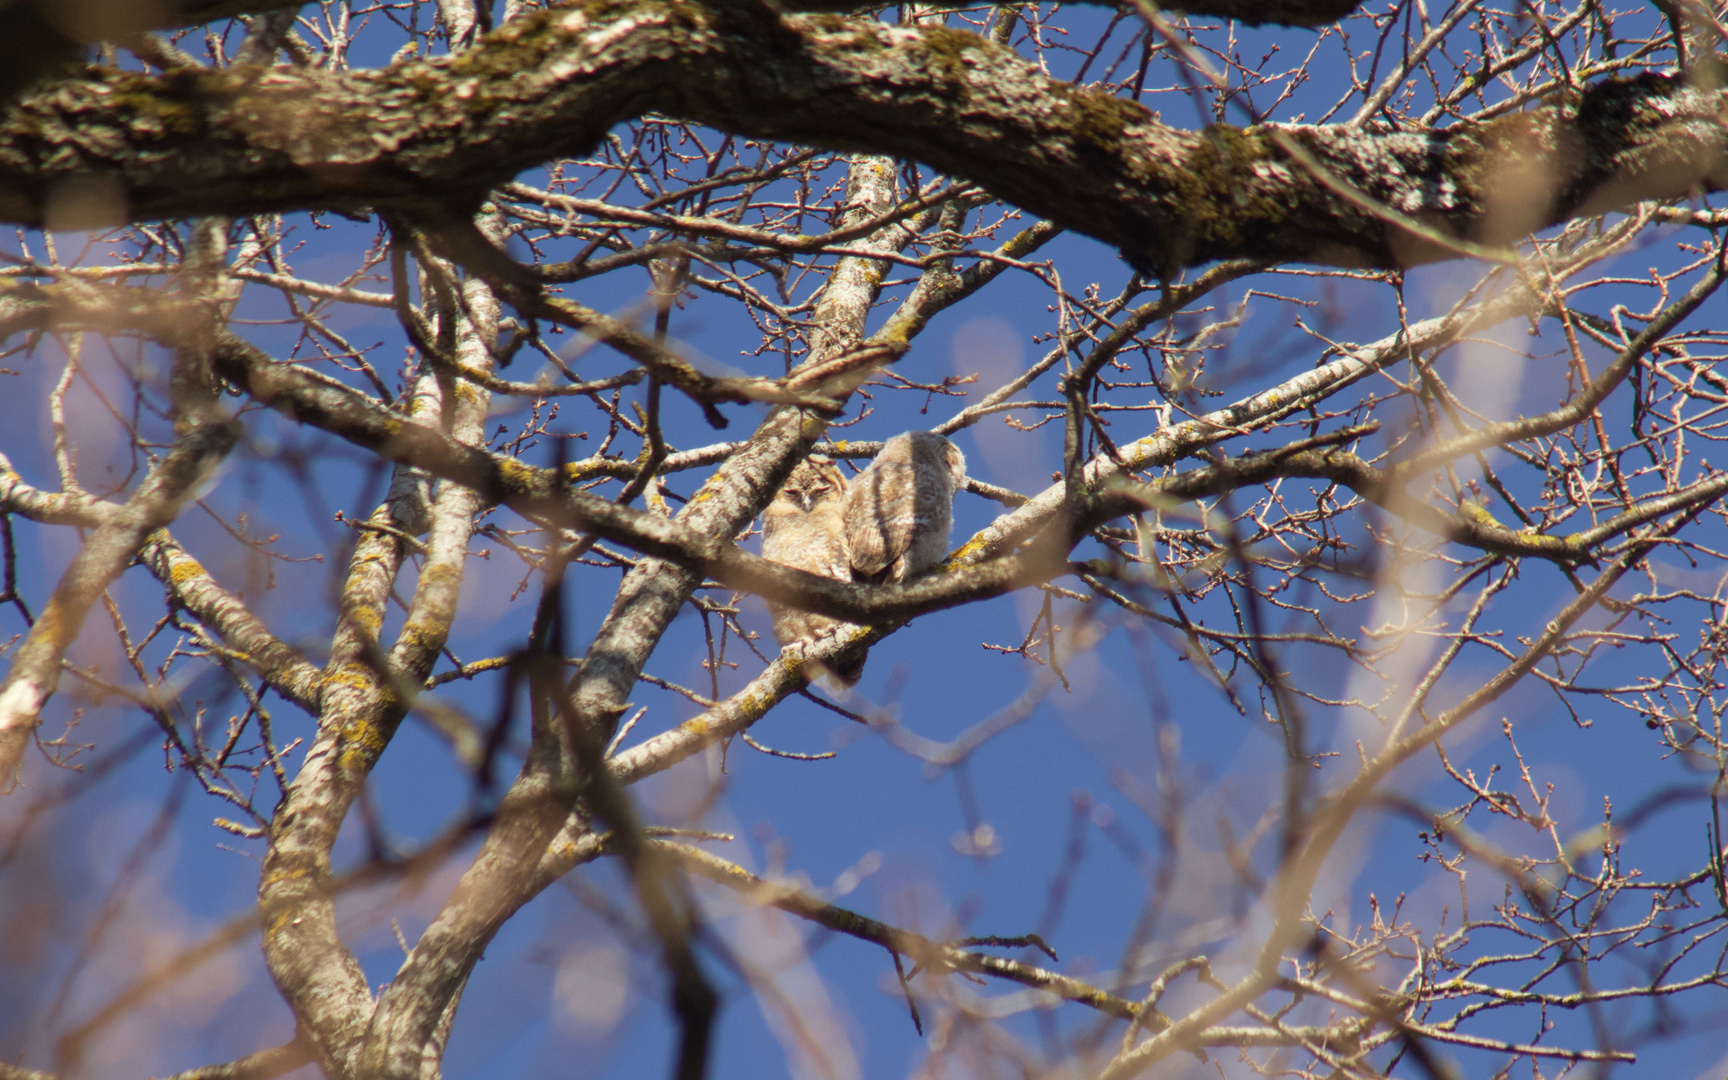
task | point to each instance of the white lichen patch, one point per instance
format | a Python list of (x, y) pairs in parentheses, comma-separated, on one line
[(1394, 168)]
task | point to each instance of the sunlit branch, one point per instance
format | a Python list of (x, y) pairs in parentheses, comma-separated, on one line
[(35, 670), (1080, 157)]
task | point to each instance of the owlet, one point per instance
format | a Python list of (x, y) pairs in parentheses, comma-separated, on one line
[(899, 510), (803, 528)]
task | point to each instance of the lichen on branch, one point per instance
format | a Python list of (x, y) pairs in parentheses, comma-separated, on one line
[(433, 136)]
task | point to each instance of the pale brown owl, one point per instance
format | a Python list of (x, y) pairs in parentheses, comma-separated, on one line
[(899, 510), (804, 528)]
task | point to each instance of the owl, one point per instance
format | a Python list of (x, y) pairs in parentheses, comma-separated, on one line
[(899, 510), (804, 527)]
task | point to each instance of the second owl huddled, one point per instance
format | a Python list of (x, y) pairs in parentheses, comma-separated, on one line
[(890, 524)]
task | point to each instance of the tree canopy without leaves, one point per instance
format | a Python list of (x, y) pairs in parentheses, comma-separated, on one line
[(1338, 381)]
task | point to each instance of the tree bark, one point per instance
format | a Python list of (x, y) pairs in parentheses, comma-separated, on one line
[(429, 138)]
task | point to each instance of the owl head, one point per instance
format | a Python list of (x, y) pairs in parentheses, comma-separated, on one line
[(933, 447), (815, 481), (925, 450)]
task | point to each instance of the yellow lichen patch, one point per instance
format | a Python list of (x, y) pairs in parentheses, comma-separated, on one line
[(969, 551), (441, 575), (367, 618), (362, 743), (517, 476), (355, 677), (183, 568)]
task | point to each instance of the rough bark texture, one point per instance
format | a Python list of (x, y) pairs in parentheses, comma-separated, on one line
[(434, 135)]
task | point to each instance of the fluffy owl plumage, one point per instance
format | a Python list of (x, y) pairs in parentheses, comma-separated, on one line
[(899, 510), (804, 527)]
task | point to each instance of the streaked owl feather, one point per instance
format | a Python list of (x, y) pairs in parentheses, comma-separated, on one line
[(899, 510), (804, 527)]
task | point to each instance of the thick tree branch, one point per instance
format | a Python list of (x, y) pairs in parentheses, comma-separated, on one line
[(81, 20), (1252, 12), (430, 136), (508, 869)]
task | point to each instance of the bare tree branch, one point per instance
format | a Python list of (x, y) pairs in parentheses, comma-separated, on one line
[(430, 135)]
